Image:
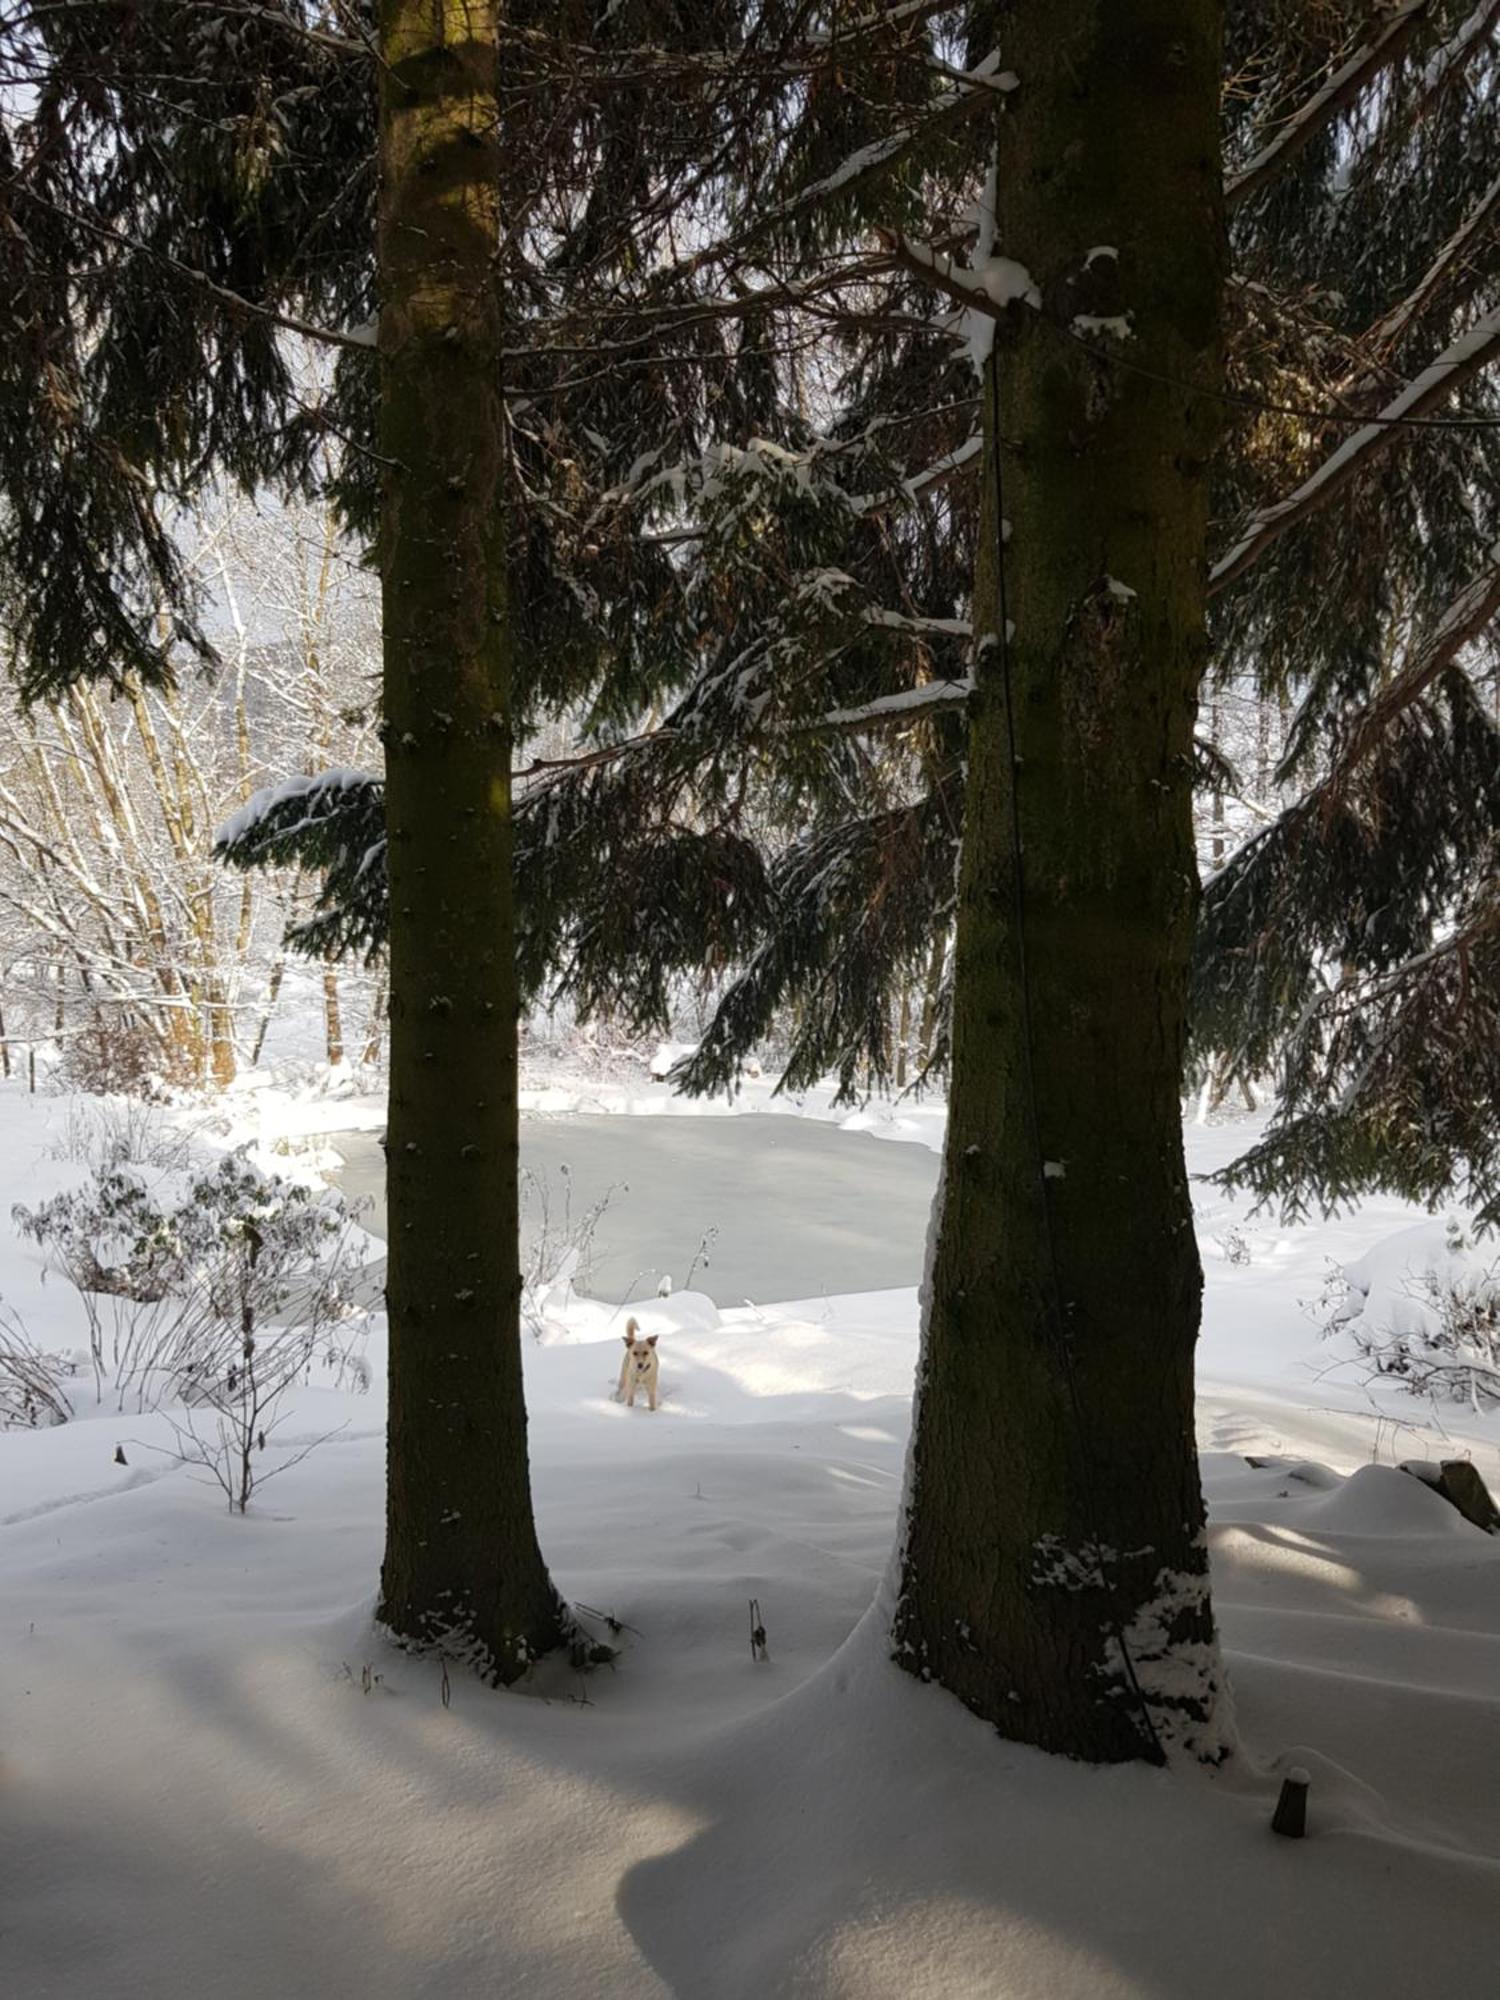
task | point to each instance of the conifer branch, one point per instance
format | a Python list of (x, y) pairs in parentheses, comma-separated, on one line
[(1389, 330), (974, 94), (1465, 619), (1472, 352), (891, 710), (234, 302), (1341, 89)]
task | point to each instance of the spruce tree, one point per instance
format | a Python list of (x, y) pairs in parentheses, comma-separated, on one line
[(1054, 1572), (1345, 948), (192, 196), (462, 1566), (196, 268), (822, 571)]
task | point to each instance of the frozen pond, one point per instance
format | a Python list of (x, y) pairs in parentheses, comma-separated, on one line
[(798, 1207)]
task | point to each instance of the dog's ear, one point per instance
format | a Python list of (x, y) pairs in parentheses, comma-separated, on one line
[(628, 1338), (651, 1340)]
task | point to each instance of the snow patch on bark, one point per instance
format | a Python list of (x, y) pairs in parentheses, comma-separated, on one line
[(1116, 325), (1181, 1680)]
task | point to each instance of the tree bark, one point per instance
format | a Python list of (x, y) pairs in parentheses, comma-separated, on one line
[(375, 1028), (932, 994), (333, 1020), (273, 994), (1053, 1573), (462, 1567), (903, 1030)]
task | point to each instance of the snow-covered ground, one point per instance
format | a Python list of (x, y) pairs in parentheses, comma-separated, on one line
[(215, 1780)]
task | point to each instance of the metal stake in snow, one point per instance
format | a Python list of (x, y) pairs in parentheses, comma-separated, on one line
[(1290, 1816)]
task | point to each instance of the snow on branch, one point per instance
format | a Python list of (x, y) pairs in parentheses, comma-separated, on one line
[(1388, 330), (974, 89), (1325, 104), (861, 24), (1367, 63), (332, 823), (1466, 357), (987, 288), (288, 810), (951, 462), (891, 710), (868, 159), (1457, 53), (1475, 608), (901, 621)]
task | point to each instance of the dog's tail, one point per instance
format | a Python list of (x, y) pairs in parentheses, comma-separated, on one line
[(632, 1328)]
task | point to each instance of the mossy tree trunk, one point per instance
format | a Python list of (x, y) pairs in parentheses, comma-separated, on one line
[(462, 1566), (1053, 1572)]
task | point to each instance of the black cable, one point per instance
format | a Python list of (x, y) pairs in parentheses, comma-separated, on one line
[(1055, 1302)]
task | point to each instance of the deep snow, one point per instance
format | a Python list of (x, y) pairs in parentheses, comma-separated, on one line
[(197, 1796)]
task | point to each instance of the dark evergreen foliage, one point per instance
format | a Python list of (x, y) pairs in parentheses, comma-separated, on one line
[(1349, 951), (179, 183), (333, 827), (745, 496), (883, 867)]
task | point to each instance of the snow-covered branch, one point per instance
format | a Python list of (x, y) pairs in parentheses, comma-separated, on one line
[(1366, 63), (1476, 607), (891, 710), (987, 288), (974, 90), (1473, 351), (1459, 247), (945, 468)]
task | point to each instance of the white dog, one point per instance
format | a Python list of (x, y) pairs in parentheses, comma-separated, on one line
[(640, 1367)]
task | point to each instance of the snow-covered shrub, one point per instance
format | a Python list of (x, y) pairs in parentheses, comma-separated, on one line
[(175, 1274), (1234, 1244), (232, 1410), (121, 1131), (32, 1396), (1422, 1309), (559, 1244), (119, 1054), (112, 1240)]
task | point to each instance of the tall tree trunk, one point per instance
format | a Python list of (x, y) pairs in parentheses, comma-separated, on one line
[(333, 1018), (375, 1027), (1054, 1573), (462, 1566), (903, 1030), (932, 994), (223, 1057), (273, 994)]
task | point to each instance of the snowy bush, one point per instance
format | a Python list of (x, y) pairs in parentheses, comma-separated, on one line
[(1422, 1310), (121, 1131), (115, 1052), (232, 1410), (32, 1396), (559, 1244), (178, 1277)]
